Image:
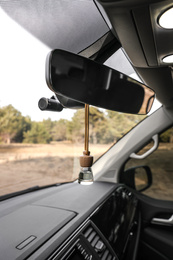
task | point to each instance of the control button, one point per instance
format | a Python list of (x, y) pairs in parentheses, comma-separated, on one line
[(99, 246)]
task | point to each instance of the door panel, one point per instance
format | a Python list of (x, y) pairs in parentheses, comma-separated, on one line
[(156, 241)]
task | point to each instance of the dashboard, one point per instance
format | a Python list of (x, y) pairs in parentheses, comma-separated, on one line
[(71, 222)]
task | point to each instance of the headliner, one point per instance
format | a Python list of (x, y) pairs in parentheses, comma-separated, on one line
[(69, 25)]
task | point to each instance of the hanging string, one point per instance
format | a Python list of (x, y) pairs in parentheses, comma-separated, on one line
[(86, 129), (86, 160)]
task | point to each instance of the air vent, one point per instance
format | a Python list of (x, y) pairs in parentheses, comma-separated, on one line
[(98, 242)]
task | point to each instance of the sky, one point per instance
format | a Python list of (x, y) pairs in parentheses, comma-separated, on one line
[(22, 67), (22, 70)]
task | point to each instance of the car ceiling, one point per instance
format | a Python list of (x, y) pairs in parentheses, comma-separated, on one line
[(135, 24), (75, 25), (69, 25)]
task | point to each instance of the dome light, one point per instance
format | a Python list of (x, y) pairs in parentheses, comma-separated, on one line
[(166, 19), (168, 59)]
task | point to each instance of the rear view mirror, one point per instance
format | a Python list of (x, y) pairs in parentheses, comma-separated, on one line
[(89, 82)]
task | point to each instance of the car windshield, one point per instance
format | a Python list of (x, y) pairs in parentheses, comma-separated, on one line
[(36, 147)]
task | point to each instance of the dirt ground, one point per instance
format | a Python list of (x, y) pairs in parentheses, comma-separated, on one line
[(26, 165)]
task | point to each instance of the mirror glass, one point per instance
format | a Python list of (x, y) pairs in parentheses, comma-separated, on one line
[(89, 82), (141, 179)]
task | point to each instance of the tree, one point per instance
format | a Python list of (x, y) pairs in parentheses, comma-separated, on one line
[(59, 130), (76, 128), (121, 123), (25, 126), (12, 124), (98, 124), (37, 134), (104, 127), (48, 125)]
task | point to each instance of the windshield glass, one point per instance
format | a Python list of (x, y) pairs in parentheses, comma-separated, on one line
[(41, 148)]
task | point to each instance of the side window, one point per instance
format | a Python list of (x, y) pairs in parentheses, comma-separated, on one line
[(161, 165)]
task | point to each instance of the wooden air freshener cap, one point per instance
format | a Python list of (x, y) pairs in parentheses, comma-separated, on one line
[(86, 160)]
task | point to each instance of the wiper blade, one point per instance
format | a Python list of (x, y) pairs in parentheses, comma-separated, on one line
[(28, 190)]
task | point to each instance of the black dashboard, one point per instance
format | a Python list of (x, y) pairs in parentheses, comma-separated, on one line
[(69, 221)]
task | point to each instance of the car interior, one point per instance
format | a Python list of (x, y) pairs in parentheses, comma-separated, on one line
[(113, 218)]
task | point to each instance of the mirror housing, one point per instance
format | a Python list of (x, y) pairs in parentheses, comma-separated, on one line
[(86, 81), (69, 103), (138, 178)]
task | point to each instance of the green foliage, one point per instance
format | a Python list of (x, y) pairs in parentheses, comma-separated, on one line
[(98, 125), (120, 123), (76, 128), (59, 130), (12, 124), (25, 126), (105, 127), (37, 134)]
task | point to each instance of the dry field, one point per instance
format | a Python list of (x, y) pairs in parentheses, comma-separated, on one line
[(27, 165)]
